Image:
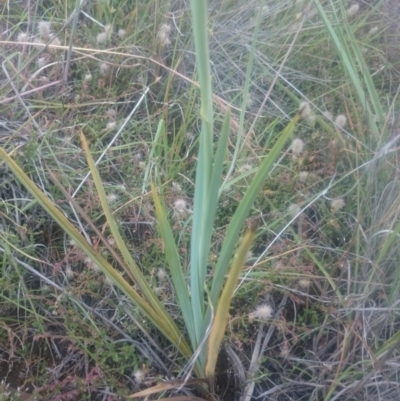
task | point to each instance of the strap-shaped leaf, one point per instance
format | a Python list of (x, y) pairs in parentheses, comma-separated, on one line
[(174, 264), (159, 321), (222, 311), (136, 273)]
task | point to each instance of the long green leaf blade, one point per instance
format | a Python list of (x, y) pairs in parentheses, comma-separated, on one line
[(174, 263), (137, 274), (97, 258), (243, 210), (222, 312)]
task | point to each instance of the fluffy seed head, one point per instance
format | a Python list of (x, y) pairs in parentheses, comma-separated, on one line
[(68, 272), (265, 11), (373, 30), (297, 146), (303, 176), (341, 120), (41, 62), (111, 114), (22, 37), (44, 29), (88, 77), (139, 376), (112, 198), (304, 110), (352, 10), (104, 68), (108, 30), (304, 283), (163, 34), (294, 209), (121, 33), (161, 275), (337, 204), (101, 38), (88, 262), (263, 312), (111, 125), (245, 167), (328, 115), (180, 205)]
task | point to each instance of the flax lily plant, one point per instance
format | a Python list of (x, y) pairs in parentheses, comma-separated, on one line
[(204, 304)]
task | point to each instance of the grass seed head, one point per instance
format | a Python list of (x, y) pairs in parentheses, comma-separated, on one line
[(41, 62), (101, 38), (161, 275), (341, 120), (294, 210), (328, 115), (297, 146), (112, 198), (69, 272), (163, 34), (180, 205), (373, 30), (352, 10), (305, 110), (139, 376), (263, 313), (304, 283), (104, 68), (88, 77), (111, 125), (44, 30), (22, 37), (337, 204)]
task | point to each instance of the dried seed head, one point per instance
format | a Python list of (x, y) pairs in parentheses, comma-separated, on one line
[(91, 265), (112, 198), (44, 29), (101, 38), (108, 30), (180, 205), (294, 210), (341, 120), (121, 33), (337, 204), (305, 110), (104, 68), (328, 115), (111, 125), (297, 146), (352, 10), (161, 275), (88, 77), (303, 176), (262, 312), (163, 34), (139, 376), (41, 62), (373, 30), (68, 272), (304, 283), (22, 37)]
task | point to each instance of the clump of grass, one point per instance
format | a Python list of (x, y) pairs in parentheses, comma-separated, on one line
[(326, 249)]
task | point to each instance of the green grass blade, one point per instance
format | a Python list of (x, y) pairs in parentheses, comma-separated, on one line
[(222, 312), (348, 63), (174, 263), (243, 210), (137, 274), (199, 247), (159, 321)]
